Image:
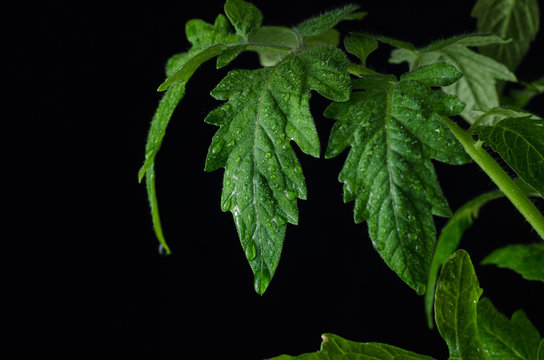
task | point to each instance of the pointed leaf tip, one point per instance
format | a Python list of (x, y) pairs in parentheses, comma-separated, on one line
[(262, 280), (388, 168), (457, 296)]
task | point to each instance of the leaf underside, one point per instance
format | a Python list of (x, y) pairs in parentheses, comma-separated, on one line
[(525, 259), (266, 110), (510, 19), (207, 41), (480, 73), (394, 131), (520, 142)]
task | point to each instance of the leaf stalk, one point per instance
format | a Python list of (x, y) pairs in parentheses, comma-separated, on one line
[(497, 174)]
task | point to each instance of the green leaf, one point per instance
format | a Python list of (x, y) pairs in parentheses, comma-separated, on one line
[(480, 73), (520, 142), (451, 234), (327, 38), (525, 259), (322, 23), (361, 46), (202, 35), (457, 295), (521, 97), (394, 42), (184, 73), (540, 355), (266, 109), (229, 54), (506, 339), (510, 19), (448, 242), (160, 121), (244, 16), (334, 347), (273, 43), (154, 205), (394, 131), (492, 116), (439, 74), (208, 41)]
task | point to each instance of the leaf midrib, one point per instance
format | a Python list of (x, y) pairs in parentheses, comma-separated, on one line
[(257, 126), (393, 192)]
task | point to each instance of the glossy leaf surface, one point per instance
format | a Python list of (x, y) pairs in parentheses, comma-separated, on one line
[(394, 131), (506, 339), (525, 259), (457, 296), (266, 110), (480, 73), (510, 19), (520, 142)]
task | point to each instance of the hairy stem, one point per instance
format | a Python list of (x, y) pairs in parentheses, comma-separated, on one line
[(503, 181)]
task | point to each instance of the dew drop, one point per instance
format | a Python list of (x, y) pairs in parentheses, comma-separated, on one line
[(162, 250), (148, 154), (250, 251), (268, 155), (291, 195), (298, 169), (225, 206), (218, 147), (280, 220), (272, 168)]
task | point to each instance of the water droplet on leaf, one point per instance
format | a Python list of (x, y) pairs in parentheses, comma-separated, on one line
[(162, 250), (291, 195), (250, 251), (218, 147)]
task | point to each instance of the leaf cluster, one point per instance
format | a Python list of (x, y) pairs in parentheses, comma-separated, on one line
[(392, 129), (470, 325)]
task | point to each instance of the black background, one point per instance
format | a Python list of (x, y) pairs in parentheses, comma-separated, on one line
[(87, 278)]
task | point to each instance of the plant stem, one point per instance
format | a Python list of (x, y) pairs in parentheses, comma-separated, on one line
[(496, 173)]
